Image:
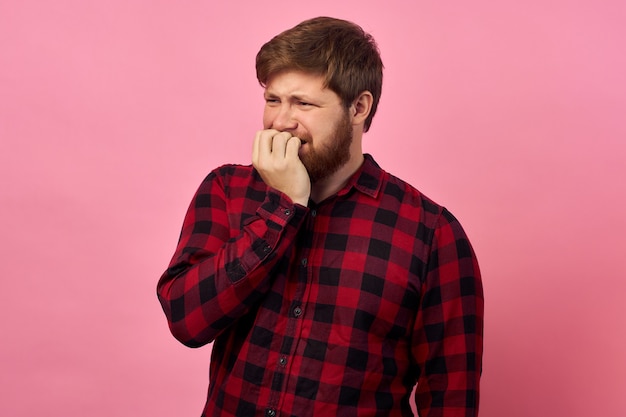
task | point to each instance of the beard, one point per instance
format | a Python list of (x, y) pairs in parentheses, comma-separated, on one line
[(322, 162)]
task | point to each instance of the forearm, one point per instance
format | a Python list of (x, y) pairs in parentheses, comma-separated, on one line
[(213, 279)]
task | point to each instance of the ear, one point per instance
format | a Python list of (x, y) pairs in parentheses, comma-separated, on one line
[(361, 107)]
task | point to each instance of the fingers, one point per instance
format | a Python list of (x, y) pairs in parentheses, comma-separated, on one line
[(269, 144), (275, 157), (255, 147), (278, 145), (293, 146), (262, 148)]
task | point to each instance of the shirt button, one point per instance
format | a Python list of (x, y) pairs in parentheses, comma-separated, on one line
[(287, 212), (267, 249), (297, 311), (303, 261), (270, 412), (282, 361), (313, 213)]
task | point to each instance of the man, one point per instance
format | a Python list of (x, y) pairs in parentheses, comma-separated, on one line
[(328, 286)]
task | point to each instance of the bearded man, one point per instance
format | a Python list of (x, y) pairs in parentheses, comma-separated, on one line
[(328, 286)]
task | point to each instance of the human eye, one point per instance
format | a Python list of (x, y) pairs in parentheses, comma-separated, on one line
[(271, 100)]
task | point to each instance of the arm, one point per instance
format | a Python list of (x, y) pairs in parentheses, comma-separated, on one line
[(448, 334), (212, 279)]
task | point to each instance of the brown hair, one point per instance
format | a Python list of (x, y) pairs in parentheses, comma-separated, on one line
[(340, 51)]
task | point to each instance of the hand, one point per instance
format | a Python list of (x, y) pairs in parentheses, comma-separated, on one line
[(275, 157)]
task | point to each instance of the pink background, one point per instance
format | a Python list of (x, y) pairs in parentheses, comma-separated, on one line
[(510, 113)]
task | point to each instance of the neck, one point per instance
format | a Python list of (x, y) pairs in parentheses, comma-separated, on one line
[(331, 185)]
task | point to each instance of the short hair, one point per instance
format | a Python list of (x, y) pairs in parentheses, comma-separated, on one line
[(338, 50)]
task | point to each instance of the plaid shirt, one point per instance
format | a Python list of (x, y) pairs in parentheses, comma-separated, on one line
[(335, 309)]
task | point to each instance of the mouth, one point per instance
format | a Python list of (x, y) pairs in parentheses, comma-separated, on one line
[(304, 139), (303, 149)]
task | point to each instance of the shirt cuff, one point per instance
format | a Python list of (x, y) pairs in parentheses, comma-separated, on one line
[(278, 210)]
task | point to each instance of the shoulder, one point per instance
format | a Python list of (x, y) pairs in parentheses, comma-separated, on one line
[(433, 216), (409, 200), (232, 175), (230, 172), (232, 182)]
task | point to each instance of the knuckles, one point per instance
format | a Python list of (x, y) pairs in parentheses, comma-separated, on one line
[(276, 153)]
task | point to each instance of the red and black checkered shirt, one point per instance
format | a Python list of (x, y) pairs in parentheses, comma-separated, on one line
[(335, 309)]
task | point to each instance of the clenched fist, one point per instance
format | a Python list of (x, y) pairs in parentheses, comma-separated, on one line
[(275, 157)]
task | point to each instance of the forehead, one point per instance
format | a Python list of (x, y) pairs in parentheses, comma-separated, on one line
[(296, 83)]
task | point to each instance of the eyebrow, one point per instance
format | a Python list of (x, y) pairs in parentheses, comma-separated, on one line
[(300, 97), (295, 97)]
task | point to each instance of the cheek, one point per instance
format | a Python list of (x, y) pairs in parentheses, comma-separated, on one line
[(268, 118)]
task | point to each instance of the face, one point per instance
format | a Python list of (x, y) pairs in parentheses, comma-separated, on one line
[(298, 103)]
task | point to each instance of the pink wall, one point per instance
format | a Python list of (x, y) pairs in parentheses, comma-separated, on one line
[(510, 113)]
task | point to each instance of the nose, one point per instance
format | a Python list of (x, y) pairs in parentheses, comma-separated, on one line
[(284, 119)]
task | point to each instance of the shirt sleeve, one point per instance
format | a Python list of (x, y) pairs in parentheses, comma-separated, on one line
[(214, 278), (448, 334)]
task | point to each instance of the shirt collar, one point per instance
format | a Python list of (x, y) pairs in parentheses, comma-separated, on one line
[(367, 179)]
